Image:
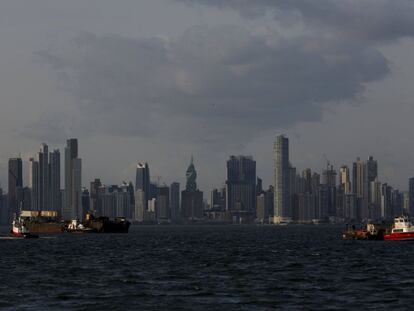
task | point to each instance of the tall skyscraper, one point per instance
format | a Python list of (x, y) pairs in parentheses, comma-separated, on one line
[(54, 190), (142, 182), (34, 183), (360, 187), (94, 193), (282, 206), (43, 194), (329, 187), (241, 184), (372, 169), (73, 182), (344, 179), (15, 185), (175, 202), (162, 212)]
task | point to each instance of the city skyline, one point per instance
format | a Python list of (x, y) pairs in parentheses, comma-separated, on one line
[(300, 196), (158, 177)]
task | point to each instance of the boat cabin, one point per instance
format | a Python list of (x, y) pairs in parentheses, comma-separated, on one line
[(402, 224)]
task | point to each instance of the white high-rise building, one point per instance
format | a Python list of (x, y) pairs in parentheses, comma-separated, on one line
[(282, 206), (73, 182), (345, 179)]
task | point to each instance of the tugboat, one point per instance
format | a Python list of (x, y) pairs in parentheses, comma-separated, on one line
[(19, 230), (402, 230)]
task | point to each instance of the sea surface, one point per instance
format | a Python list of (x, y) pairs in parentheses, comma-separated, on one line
[(206, 268)]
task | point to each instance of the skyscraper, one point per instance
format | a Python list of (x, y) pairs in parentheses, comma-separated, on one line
[(282, 210), (241, 184), (191, 197), (163, 212), (94, 194), (34, 183), (15, 185), (54, 190), (344, 179), (142, 182), (360, 187), (4, 213), (411, 196), (175, 201), (73, 182), (372, 169), (43, 194)]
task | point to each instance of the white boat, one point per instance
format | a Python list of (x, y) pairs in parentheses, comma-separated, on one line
[(402, 230)]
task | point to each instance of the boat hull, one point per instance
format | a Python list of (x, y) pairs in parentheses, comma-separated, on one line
[(45, 228), (400, 236)]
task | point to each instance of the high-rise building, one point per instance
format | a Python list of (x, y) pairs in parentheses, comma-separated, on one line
[(15, 183), (241, 184), (4, 213), (175, 202), (94, 194), (86, 201), (54, 190), (34, 183), (386, 205), (345, 179), (142, 181), (411, 196), (360, 187), (73, 182), (43, 194), (375, 199), (140, 213), (406, 203), (162, 212), (372, 169), (329, 185), (191, 197), (282, 206)]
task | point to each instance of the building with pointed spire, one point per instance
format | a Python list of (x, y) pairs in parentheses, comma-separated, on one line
[(191, 197)]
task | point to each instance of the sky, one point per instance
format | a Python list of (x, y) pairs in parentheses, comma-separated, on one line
[(163, 80)]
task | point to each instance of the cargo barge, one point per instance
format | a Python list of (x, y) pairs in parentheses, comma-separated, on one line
[(48, 222), (42, 222)]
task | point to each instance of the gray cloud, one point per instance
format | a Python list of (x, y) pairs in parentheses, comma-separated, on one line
[(219, 83), (367, 20)]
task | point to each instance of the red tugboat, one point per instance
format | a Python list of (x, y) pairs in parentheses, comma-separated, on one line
[(19, 230), (403, 230)]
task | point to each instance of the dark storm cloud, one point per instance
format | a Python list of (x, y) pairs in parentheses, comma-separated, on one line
[(368, 20), (219, 83)]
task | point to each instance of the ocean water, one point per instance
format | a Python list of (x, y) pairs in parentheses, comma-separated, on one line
[(206, 268)]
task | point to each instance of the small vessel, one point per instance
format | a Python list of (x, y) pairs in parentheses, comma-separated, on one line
[(75, 227), (19, 229), (371, 232), (402, 230)]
